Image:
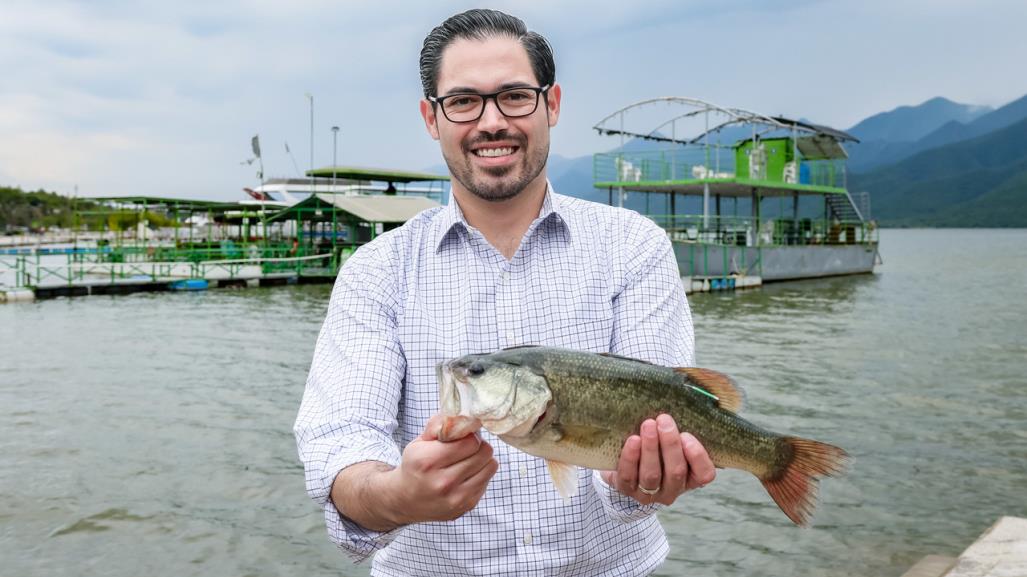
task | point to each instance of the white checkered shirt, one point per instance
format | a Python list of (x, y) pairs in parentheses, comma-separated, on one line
[(586, 276)]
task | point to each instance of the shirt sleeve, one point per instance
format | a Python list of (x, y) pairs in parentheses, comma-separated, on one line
[(652, 322), (349, 407)]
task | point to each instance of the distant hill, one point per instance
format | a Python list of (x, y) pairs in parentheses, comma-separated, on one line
[(981, 182), (956, 131), (910, 123), (39, 209), (872, 154), (888, 137)]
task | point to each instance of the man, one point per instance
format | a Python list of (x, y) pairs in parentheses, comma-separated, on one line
[(507, 262)]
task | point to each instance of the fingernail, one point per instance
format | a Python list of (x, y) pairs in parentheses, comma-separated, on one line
[(665, 423)]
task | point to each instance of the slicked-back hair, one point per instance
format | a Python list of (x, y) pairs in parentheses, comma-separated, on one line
[(481, 24)]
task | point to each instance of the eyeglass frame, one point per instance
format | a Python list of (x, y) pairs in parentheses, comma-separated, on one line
[(493, 96)]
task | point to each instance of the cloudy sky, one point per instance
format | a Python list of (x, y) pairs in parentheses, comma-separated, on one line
[(127, 97)]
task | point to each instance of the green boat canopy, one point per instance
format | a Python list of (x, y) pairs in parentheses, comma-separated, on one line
[(375, 174)]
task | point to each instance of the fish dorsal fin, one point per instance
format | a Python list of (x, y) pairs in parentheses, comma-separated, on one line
[(565, 478), (729, 396), (623, 358)]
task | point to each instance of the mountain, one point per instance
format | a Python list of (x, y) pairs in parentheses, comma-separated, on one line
[(890, 136), (994, 120), (973, 183), (869, 155), (910, 123)]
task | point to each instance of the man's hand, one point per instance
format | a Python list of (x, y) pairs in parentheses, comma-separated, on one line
[(435, 481), (660, 464)]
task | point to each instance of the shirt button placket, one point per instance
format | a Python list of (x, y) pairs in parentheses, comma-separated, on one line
[(507, 307)]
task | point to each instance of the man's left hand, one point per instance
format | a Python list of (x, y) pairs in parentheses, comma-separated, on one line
[(660, 464)]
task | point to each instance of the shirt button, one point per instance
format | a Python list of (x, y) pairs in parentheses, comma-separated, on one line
[(510, 339), (524, 471), (527, 539)]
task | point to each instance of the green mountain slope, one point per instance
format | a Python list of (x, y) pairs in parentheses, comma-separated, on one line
[(977, 182)]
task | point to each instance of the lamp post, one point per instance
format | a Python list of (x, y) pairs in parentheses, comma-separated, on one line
[(310, 97), (335, 148)]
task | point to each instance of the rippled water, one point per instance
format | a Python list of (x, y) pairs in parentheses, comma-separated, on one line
[(150, 434)]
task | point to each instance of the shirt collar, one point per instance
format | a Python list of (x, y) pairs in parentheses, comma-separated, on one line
[(451, 218)]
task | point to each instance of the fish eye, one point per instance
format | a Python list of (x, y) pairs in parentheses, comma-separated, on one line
[(476, 369)]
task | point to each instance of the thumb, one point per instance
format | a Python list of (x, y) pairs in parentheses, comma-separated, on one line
[(433, 427)]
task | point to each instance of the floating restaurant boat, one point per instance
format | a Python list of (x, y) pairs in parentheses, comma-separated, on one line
[(745, 198)]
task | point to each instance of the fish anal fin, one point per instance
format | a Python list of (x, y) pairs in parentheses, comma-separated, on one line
[(565, 478), (729, 395), (794, 486)]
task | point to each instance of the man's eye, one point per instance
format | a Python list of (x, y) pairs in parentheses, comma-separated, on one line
[(463, 100), (516, 96)]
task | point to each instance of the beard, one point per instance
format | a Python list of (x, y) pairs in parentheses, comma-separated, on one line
[(499, 183)]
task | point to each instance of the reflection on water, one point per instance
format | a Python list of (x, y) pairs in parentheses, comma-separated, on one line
[(151, 432)]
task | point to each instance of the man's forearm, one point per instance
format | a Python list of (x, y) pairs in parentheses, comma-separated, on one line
[(360, 493)]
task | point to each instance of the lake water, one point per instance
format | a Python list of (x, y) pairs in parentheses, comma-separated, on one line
[(151, 434)]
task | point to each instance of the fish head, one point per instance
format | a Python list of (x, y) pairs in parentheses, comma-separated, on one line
[(506, 397)]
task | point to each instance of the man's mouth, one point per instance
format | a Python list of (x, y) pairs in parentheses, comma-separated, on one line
[(495, 152)]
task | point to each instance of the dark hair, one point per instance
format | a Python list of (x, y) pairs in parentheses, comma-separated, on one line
[(479, 24)]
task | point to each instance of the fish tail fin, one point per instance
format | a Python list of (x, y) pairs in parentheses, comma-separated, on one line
[(794, 486)]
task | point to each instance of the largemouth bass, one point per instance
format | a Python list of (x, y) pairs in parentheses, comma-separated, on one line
[(574, 408)]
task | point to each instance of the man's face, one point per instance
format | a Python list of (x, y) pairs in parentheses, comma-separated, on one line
[(495, 157)]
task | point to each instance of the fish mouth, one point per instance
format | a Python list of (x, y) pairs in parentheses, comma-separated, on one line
[(449, 396)]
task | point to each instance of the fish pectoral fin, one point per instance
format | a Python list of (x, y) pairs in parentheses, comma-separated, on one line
[(565, 478)]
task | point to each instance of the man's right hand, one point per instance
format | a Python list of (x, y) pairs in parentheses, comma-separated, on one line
[(435, 481)]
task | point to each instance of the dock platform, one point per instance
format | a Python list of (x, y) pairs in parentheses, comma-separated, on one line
[(1001, 551)]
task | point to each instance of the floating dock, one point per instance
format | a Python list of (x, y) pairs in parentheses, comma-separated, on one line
[(707, 284)]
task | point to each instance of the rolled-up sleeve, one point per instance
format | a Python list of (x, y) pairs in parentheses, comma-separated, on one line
[(620, 507), (349, 408)]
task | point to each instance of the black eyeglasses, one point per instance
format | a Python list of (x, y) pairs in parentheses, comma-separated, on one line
[(468, 107)]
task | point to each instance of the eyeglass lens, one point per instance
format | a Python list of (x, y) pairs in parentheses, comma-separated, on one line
[(514, 102)]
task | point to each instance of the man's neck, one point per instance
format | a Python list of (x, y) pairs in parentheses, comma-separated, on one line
[(504, 223)]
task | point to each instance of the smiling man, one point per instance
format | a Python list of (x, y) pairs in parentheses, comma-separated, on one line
[(508, 262)]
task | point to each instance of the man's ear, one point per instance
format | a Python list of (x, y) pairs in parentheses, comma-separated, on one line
[(430, 120), (553, 104)]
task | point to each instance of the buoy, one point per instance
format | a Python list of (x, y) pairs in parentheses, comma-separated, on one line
[(192, 284)]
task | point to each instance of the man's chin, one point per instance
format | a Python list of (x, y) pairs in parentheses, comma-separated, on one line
[(496, 192)]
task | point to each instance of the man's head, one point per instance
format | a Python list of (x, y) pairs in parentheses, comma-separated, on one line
[(480, 53)]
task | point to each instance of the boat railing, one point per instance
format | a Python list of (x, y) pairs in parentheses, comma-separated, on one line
[(710, 164), (38, 269), (745, 231)]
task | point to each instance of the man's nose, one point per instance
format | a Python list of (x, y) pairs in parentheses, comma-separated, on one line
[(492, 119)]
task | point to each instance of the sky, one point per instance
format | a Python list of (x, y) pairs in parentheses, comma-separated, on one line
[(128, 97)]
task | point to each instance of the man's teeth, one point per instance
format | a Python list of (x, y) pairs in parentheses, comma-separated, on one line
[(491, 152)]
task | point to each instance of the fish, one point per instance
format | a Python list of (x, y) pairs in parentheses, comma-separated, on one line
[(577, 409)]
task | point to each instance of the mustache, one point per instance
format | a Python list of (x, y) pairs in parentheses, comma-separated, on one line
[(486, 137)]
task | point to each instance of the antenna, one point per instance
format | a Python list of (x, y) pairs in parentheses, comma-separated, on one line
[(294, 165)]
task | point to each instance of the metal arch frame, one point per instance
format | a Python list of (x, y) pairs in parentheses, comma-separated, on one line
[(738, 115)]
